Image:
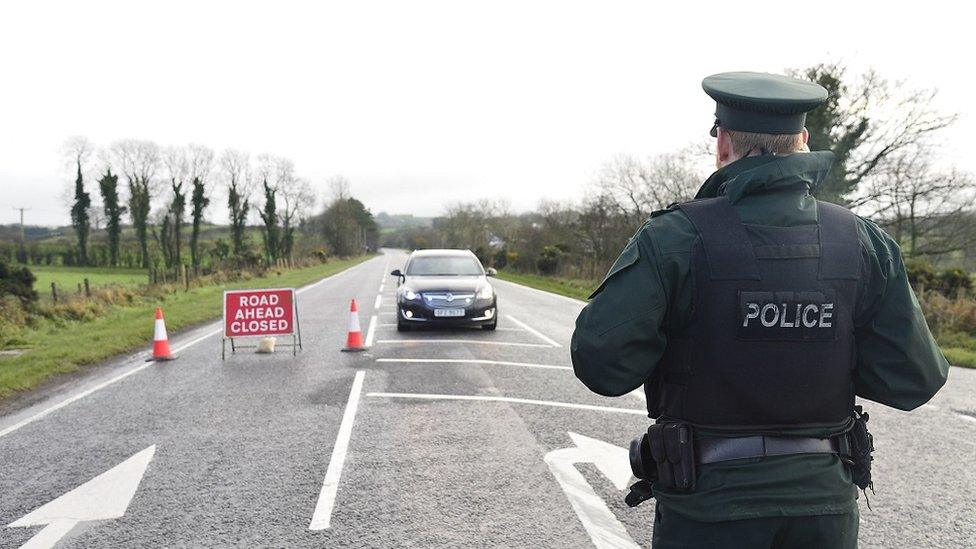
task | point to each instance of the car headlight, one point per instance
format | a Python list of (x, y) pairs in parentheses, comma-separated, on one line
[(410, 295), (486, 293)]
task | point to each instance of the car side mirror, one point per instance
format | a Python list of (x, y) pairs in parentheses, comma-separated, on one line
[(491, 271), (396, 273)]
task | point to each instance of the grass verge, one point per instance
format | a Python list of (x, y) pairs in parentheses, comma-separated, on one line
[(64, 347), (960, 357), (569, 287)]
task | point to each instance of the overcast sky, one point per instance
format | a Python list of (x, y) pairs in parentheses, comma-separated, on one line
[(423, 103)]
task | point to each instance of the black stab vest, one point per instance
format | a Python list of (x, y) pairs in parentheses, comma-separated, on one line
[(770, 343)]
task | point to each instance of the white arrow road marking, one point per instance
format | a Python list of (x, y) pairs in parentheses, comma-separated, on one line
[(600, 523), (104, 497), (537, 333), (966, 417), (322, 517)]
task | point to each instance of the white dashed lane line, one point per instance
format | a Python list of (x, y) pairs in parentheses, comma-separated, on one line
[(552, 403), (462, 342), (370, 332), (322, 517), (470, 361)]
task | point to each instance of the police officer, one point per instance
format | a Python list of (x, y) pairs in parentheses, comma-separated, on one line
[(753, 315)]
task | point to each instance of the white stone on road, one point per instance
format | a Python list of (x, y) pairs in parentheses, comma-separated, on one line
[(104, 497)]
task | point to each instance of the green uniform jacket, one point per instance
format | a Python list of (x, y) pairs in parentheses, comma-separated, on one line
[(621, 335)]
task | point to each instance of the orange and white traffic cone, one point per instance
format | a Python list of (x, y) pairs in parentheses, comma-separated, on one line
[(160, 340), (354, 341)]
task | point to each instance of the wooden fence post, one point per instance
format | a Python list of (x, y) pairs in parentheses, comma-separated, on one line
[(54, 292), (186, 277), (87, 288)]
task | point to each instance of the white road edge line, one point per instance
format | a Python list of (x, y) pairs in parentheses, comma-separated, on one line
[(463, 341), (538, 334), (371, 332), (322, 517), (471, 361), (379, 301), (553, 403), (142, 366)]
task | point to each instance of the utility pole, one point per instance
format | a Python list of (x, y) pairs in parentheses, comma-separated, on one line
[(23, 240)]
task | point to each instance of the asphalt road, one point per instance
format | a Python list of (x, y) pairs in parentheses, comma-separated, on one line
[(430, 439)]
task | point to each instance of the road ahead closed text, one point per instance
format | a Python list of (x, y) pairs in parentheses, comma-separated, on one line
[(249, 313)]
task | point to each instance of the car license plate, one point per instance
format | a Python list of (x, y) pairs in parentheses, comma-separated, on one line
[(448, 312)]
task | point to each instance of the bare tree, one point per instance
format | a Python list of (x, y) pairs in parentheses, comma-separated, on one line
[(638, 187), (138, 160), (177, 163), (868, 124), (200, 160), (77, 151), (338, 187), (927, 210), (297, 203), (236, 171)]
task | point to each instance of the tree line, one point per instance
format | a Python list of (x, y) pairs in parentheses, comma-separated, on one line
[(156, 199), (888, 167)]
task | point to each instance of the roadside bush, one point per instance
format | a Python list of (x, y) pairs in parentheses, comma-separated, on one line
[(921, 274), (500, 258), (953, 281), (13, 317), (946, 315), (548, 261), (513, 259), (17, 282)]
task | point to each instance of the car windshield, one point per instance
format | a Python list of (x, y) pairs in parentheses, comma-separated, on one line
[(444, 266)]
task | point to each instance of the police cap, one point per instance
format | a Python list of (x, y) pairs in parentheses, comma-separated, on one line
[(762, 103)]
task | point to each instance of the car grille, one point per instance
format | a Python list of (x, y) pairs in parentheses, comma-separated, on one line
[(448, 299)]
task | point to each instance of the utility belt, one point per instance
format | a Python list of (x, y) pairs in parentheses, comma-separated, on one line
[(668, 454)]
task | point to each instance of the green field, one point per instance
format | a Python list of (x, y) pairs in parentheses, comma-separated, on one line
[(68, 278), (58, 347)]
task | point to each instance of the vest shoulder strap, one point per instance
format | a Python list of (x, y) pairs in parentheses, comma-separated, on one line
[(727, 246), (840, 246)]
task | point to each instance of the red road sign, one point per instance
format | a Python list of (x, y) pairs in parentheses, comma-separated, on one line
[(252, 313)]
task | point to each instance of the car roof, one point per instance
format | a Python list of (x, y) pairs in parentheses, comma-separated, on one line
[(441, 252)]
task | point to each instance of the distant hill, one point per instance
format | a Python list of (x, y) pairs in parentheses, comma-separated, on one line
[(11, 232), (402, 221)]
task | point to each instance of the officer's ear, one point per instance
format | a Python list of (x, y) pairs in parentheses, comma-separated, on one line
[(806, 136), (723, 148)]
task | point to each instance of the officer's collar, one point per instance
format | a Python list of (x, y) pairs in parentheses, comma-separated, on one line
[(752, 173)]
